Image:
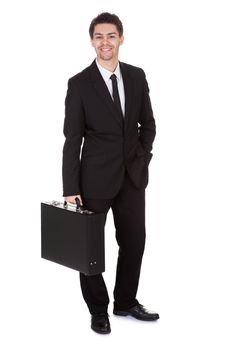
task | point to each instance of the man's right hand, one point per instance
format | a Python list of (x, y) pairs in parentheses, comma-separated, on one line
[(71, 199)]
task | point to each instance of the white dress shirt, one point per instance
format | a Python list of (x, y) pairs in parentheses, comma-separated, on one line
[(106, 74)]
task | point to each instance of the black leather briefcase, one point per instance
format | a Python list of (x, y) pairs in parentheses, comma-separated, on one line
[(73, 237)]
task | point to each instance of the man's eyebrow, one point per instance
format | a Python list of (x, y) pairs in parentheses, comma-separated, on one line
[(106, 33)]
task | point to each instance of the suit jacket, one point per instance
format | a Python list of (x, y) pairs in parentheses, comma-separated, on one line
[(96, 168)]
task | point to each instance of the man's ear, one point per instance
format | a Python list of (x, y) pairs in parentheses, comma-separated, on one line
[(122, 40)]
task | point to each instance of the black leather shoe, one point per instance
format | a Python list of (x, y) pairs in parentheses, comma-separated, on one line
[(139, 312), (100, 323)]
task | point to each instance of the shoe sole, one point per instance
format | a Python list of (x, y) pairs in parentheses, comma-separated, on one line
[(125, 313), (100, 332)]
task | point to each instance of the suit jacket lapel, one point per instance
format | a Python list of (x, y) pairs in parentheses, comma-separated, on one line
[(128, 87), (102, 91)]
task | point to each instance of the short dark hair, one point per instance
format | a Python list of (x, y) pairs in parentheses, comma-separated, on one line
[(106, 17)]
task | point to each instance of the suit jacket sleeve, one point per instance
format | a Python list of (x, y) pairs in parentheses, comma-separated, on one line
[(73, 132), (147, 129)]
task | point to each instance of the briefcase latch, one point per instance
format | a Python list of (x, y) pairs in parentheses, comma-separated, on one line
[(55, 203)]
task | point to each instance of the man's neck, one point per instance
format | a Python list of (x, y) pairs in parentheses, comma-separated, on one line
[(109, 65)]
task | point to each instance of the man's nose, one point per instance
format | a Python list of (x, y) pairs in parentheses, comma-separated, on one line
[(105, 40)]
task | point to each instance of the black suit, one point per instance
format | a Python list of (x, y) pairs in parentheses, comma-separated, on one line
[(112, 170)]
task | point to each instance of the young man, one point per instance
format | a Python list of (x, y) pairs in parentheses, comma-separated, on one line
[(108, 109)]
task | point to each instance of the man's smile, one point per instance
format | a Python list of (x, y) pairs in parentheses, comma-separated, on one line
[(105, 49)]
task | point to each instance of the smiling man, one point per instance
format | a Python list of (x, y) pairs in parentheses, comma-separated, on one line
[(106, 41), (108, 110)]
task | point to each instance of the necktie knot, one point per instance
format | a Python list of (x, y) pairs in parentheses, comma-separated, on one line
[(113, 77)]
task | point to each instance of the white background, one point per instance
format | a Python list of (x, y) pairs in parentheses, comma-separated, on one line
[(185, 48)]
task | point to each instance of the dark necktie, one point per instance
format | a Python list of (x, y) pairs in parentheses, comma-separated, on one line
[(115, 94)]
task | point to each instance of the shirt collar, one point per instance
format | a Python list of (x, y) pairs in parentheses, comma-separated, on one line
[(106, 74)]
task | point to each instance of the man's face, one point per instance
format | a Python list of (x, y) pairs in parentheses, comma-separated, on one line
[(106, 41)]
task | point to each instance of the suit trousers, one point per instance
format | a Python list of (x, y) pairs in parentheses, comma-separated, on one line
[(128, 208)]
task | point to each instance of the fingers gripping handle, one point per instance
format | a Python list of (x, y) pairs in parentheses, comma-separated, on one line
[(78, 206)]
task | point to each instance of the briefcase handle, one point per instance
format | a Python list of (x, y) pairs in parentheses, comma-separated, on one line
[(77, 203), (80, 209)]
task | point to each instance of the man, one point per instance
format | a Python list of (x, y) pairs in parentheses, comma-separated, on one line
[(108, 109)]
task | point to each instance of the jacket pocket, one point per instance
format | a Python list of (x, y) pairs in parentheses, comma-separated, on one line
[(140, 152)]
